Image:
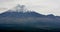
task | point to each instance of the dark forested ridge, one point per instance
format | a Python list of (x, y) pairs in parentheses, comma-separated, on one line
[(29, 21)]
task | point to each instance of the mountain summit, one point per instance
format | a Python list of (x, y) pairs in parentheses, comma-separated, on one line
[(20, 11)]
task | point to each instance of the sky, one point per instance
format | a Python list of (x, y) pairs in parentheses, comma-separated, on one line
[(40, 6)]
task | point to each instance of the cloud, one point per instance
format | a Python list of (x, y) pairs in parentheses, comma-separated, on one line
[(3, 8), (40, 6)]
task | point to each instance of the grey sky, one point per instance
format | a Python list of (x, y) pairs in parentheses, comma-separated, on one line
[(40, 6)]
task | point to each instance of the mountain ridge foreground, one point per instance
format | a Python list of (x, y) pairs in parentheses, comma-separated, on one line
[(28, 21)]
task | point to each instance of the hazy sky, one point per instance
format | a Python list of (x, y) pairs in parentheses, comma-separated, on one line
[(40, 6)]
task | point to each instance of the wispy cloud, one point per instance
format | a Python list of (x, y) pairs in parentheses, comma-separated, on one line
[(3, 8)]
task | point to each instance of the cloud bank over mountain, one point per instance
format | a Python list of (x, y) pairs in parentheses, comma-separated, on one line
[(40, 6)]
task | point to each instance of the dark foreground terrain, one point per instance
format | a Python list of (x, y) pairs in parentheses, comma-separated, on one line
[(16, 28)]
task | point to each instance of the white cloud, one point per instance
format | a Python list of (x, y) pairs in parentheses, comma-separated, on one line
[(40, 6)]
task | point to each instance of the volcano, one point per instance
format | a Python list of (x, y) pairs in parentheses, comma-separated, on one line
[(19, 18)]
